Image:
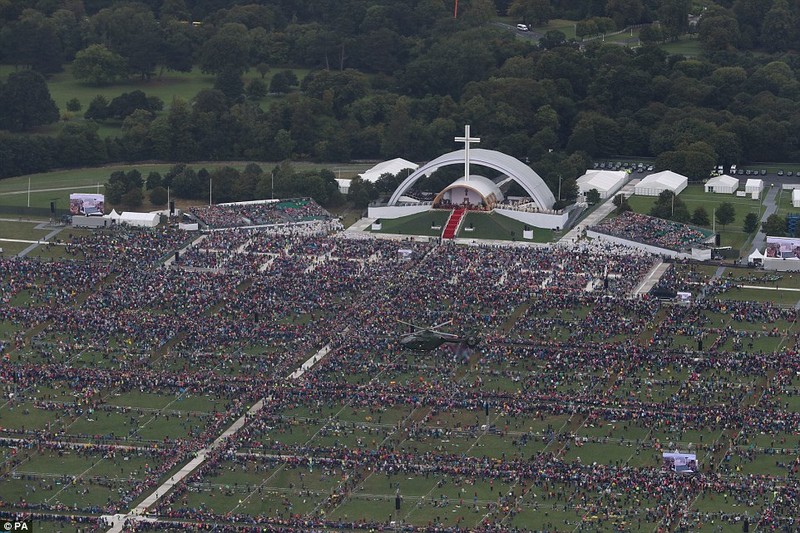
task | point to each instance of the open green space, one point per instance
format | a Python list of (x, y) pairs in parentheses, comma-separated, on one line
[(417, 224), (687, 47), (494, 226)]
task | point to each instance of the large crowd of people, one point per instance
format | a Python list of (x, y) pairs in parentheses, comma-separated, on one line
[(653, 231), (561, 336)]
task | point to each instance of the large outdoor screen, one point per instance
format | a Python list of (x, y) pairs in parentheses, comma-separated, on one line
[(87, 204)]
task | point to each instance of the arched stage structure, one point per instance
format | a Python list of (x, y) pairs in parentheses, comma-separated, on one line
[(515, 169)]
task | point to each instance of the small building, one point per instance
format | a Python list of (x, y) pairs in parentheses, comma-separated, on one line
[(795, 197), (723, 184), (655, 184), (754, 185), (344, 185), (607, 182)]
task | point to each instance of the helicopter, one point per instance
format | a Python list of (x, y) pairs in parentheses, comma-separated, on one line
[(428, 339)]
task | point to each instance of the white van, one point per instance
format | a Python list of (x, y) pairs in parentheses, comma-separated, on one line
[(522, 27)]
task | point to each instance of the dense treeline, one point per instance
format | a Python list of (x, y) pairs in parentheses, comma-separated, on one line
[(401, 77)]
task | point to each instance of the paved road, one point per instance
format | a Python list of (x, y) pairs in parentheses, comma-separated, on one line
[(770, 206), (25, 191), (601, 212)]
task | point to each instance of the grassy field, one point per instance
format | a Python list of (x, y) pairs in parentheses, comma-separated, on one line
[(498, 227), (686, 47), (166, 85), (418, 224), (151, 418)]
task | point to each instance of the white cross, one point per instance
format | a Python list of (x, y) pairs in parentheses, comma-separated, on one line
[(466, 139)]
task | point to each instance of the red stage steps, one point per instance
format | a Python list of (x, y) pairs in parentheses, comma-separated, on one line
[(453, 222)]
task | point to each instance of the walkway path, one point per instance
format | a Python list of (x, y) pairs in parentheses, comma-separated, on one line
[(43, 240), (600, 212), (770, 207), (117, 521), (652, 278)]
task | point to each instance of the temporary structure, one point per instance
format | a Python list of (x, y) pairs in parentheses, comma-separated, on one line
[(393, 166), (606, 182), (655, 184), (723, 184)]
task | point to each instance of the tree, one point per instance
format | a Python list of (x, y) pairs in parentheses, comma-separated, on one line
[(256, 89), (592, 196), (625, 12), (131, 30), (552, 39), (262, 69), (154, 180), (775, 226), (158, 196), (718, 29), (535, 12), (98, 108), (651, 34), (229, 82), (778, 30), (98, 65), (750, 223), (282, 82), (32, 40), (74, 105), (228, 49), (25, 102), (700, 217), (725, 214), (670, 207), (621, 201), (133, 198), (125, 104), (674, 17), (361, 192)]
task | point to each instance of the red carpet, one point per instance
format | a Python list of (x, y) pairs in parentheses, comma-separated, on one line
[(452, 223)]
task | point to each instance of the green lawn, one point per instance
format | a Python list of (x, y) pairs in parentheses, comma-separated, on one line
[(499, 227), (166, 85), (686, 47), (417, 224)]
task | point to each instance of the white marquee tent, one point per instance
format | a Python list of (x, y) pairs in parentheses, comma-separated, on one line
[(723, 184), (144, 220), (392, 166), (795, 197), (655, 184), (607, 182), (754, 185)]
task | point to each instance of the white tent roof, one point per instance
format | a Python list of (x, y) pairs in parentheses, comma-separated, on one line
[(754, 183), (665, 179), (392, 166), (723, 181), (602, 180), (755, 255), (795, 194), (132, 216), (113, 215)]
